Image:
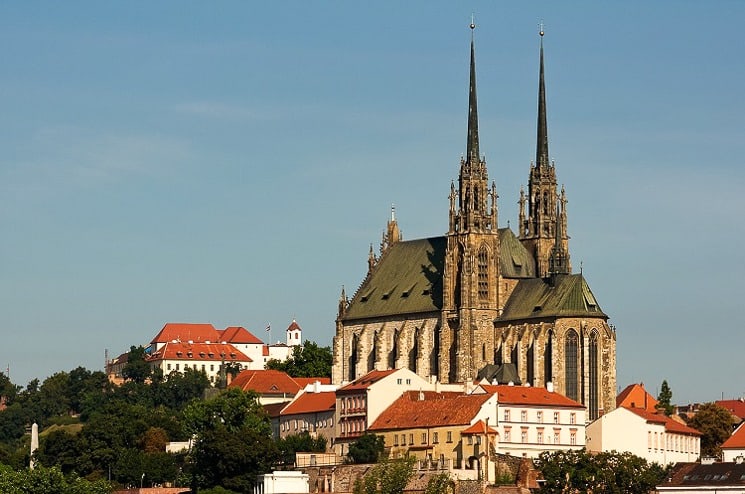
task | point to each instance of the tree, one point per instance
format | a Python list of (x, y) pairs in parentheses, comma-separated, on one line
[(308, 360), (43, 480), (367, 449), (612, 473), (664, 399), (137, 368), (303, 442), (388, 477), (715, 424)]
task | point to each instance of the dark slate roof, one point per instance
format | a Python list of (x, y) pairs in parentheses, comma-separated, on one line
[(408, 278), (502, 374), (715, 475), (515, 260), (568, 296)]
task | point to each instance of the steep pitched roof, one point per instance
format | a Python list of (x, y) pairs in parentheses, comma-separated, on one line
[(365, 381), (659, 418), (266, 382), (635, 396), (407, 279), (311, 403), (514, 259), (479, 427), (304, 381), (736, 440), (199, 352), (294, 326), (181, 331), (238, 334), (736, 407), (435, 410), (528, 395), (568, 296)]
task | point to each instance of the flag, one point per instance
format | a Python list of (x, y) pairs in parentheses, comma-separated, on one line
[(268, 327)]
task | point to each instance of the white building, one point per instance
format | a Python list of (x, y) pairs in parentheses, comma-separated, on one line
[(283, 483), (531, 420), (652, 436), (733, 449)]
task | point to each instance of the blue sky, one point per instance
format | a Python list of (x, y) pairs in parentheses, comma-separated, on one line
[(231, 163)]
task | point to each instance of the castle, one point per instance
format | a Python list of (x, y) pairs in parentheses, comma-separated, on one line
[(481, 297)]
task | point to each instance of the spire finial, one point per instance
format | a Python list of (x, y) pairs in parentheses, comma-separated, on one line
[(473, 22), (540, 29), (541, 158), (472, 146), (393, 212)]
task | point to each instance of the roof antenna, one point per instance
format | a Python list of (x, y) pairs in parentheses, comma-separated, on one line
[(393, 212)]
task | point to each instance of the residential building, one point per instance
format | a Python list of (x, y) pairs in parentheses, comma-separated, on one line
[(532, 420), (272, 386), (735, 407), (447, 306), (733, 449), (359, 403), (448, 428), (650, 435), (635, 396), (312, 410), (208, 357), (702, 478)]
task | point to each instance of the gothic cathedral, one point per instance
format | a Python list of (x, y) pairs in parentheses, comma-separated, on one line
[(482, 301)]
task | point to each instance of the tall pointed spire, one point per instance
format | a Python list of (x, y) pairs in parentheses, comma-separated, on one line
[(472, 146), (541, 151)]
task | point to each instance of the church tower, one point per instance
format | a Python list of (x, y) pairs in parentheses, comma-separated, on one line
[(542, 220), (471, 268)]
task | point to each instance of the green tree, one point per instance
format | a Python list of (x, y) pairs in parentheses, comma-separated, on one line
[(388, 477), (43, 480), (137, 368), (367, 449), (303, 442), (308, 360), (440, 484), (664, 399), (715, 424), (613, 473)]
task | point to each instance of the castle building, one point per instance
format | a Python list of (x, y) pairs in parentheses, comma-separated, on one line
[(448, 306)]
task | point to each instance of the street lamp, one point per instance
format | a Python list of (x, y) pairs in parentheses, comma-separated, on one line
[(142, 479)]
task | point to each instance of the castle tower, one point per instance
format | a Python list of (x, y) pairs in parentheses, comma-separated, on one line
[(538, 225), (471, 271)]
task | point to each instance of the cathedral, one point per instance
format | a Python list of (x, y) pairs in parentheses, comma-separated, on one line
[(481, 297)]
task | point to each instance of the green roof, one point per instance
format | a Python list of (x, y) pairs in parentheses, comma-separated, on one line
[(568, 296), (515, 261), (406, 280)]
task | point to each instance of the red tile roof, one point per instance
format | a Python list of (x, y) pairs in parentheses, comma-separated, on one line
[(365, 381), (311, 403), (435, 410), (304, 381), (293, 326), (635, 396), (670, 424), (736, 440), (266, 382), (736, 407), (182, 331), (525, 395), (199, 352), (479, 427), (239, 334)]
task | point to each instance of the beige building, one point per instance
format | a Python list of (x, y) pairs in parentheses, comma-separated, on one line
[(313, 410), (649, 435), (445, 307)]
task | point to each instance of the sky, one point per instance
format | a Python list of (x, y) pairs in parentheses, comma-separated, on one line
[(231, 163)]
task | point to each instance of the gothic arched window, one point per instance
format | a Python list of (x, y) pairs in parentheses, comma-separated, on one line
[(593, 375), (571, 358), (483, 273)]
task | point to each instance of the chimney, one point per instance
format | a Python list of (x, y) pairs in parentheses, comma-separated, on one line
[(317, 386), (550, 386)]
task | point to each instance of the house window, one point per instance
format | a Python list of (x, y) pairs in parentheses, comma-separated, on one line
[(295, 423), (539, 417), (168, 366), (506, 415), (524, 416), (507, 435), (572, 418), (469, 441), (435, 437), (212, 367), (399, 381), (556, 417), (557, 436), (395, 439), (411, 438), (539, 437), (424, 438), (524, 437), (177, 366), (450, 436), (573, 438), (408, 381)]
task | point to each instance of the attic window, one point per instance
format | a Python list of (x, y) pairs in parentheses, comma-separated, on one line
[(426, 291), (537, 308), (179, 353), (365, 297), (189, 354), (211, 355), (201, 354), (406, 293)]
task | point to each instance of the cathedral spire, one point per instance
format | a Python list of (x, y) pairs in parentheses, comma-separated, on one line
[(559, 260), (541, 152), (472, 146)]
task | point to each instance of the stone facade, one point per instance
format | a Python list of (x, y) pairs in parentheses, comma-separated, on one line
[(446, 307)]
